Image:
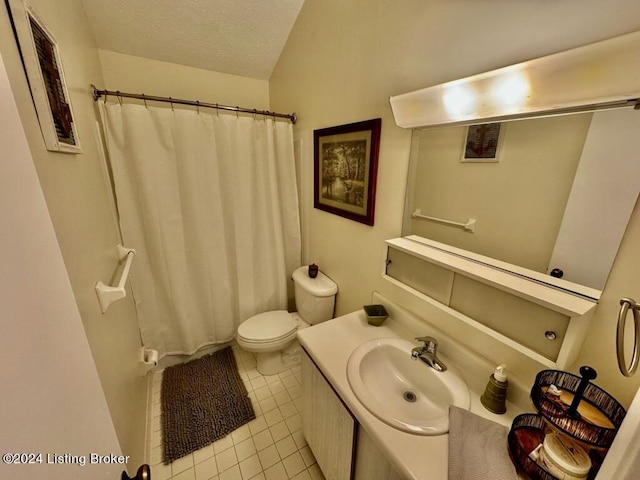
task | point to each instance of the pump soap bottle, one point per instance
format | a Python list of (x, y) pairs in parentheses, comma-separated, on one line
[(494, 397)]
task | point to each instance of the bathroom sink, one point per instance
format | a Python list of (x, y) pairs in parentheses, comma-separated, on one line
[(403, 392)]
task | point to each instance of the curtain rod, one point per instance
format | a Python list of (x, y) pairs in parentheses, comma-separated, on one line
[(105, 93)]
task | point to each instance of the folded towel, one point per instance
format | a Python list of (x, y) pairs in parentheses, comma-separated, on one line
[(478, 448)]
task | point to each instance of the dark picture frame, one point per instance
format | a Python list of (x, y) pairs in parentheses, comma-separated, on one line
[(43, 68), (346, 169)]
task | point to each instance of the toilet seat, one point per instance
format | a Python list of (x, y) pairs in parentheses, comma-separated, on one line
[(268, 327)]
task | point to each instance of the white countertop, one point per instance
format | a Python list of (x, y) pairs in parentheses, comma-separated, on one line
[(330, 344)]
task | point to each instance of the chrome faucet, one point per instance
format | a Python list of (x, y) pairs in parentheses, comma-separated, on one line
[(428, 353)]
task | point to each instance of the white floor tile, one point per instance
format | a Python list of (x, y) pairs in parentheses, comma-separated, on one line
[(161, 472), (207, 469), (294, 423), (286, 447), (273, 417), (258, 382), (304, 475), (268, 404), (250, 467), (203, 454), (232, 474), (282, 397), (271, 447), (288, 409), (223, 444), (269, 456), (189, 474), (182, 464), (279, 431), (276, 472), (276, 387), (262, 440), (257, 425), (241, 434), (262, 393), (226, 459), (294, 464), (245, 449)]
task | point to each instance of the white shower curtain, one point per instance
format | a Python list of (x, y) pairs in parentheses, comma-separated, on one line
[(209, 202)]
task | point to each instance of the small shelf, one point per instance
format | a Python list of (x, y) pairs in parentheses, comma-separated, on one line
[(557, 298)]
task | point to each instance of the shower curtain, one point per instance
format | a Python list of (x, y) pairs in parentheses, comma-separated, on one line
[(209, 202)]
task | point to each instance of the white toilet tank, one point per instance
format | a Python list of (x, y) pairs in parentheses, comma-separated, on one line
[(315, 297)]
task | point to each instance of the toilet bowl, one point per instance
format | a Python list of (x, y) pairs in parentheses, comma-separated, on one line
[(272, 335)]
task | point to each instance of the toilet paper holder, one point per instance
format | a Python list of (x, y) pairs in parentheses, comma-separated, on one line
[(149, 357)]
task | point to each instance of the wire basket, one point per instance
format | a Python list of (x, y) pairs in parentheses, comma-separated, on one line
[(527, 431), (597, 423)]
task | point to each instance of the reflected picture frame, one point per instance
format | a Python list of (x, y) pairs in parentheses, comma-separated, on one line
[(346, 169), (483, 143)]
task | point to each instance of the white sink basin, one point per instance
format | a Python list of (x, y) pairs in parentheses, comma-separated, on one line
[(402, 392)]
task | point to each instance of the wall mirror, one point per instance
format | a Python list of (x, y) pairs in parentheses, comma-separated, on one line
[(554, 196)]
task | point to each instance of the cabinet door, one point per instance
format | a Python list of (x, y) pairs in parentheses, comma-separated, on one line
[(370, 462), (327, 425)]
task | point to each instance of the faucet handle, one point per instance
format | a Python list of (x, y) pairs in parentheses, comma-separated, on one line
[(427, 340)]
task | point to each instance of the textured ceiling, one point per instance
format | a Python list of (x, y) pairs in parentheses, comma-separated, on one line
[(240, 37)]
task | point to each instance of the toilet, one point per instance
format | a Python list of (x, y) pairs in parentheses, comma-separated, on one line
[(272, 335)]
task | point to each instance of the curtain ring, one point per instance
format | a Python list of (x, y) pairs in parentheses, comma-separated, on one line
[(237, 111), (625, 305), (171, 102), (144, 99), (255, 112), (119, 97), (217, 111), (105, 96), (198, 106)]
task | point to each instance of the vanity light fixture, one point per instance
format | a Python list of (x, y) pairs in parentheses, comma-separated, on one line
[(459, 100), (600, 75), (510, 91)]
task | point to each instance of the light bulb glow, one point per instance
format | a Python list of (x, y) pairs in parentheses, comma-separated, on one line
[(510, 91), (459, 100)]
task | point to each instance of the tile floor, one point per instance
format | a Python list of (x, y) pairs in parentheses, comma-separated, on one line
[(271, 447)]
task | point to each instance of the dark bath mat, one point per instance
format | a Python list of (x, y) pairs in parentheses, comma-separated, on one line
[(202, 401)]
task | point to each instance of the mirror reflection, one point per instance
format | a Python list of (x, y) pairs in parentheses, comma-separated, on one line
[(552, 194)]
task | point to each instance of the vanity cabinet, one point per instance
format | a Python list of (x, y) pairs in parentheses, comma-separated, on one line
[(328, 426), (370, 462), (343, 449)]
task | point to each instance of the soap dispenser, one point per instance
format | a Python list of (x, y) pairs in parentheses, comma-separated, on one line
[(494, 397)]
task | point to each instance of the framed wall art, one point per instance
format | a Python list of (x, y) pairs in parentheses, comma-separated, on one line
[(482, 143), (45, 76), (346, 167)]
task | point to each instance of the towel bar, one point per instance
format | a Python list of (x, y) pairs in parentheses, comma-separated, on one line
[(107, 294), (469, 225)]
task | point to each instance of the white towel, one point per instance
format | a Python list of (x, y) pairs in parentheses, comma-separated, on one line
[(478, 448)]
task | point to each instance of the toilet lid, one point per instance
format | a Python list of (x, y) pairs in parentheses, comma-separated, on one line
[(267, 326)]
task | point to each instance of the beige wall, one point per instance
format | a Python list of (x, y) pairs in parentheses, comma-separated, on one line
[(80, 199), (52, 400), (132, 74), (77, 195), (342, 62), (519, 200)]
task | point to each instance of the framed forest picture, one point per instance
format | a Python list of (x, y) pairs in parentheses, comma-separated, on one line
[(346, 167)]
